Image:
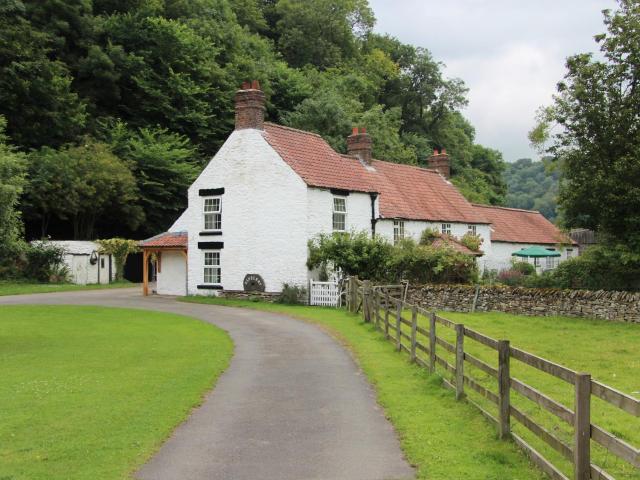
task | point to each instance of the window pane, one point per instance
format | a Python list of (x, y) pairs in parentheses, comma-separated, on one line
[(339, 222), (211, 204), (339, 205)]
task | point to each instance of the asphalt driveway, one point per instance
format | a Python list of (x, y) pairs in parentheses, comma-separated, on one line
[(293, 405)]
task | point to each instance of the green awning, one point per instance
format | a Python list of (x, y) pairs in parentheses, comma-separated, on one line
[(536, 252)]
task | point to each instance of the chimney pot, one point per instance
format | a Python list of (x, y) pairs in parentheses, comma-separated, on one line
[(359, 145), (444, 151), (435, 151), (250, 106)]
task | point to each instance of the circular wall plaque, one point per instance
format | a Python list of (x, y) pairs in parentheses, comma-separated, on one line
[(253, 283)]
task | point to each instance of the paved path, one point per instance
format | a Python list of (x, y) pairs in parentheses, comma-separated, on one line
[(291, 406)]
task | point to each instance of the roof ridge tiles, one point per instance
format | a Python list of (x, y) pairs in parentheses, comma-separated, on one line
[(505, 208), (306, 132)]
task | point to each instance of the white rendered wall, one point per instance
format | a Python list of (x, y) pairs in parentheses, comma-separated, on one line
[(499, 258), (320, 205), (264, 216), (171, 279)]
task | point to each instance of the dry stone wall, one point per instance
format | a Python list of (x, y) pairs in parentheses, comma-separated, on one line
[(621, 306)]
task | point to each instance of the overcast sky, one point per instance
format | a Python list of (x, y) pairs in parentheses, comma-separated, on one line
[(510, 53)]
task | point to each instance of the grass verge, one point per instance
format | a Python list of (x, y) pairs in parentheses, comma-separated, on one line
[(445, 439), (22, 288), (92, 392)]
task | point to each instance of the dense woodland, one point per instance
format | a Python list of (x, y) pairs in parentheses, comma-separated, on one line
[(115, 105), (533, 185)]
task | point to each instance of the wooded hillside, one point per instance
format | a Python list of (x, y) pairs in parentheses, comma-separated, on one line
[(114, 106)]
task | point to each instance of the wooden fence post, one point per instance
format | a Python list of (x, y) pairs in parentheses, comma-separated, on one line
[(414, 329), (386, 315), (504, 389), (432, 342), (582, 428), (353, 303), (459, 361), (366, 300), (399, 326), (376, 308)]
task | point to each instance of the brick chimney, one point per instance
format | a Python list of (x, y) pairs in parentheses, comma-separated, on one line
[(440, 162), (359, 144), (250, 106)]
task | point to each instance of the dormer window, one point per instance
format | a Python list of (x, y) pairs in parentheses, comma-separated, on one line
[(339, 214), (213, 213)]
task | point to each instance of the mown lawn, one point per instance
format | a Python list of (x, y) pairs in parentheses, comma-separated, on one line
[(92, 392), (21, 288), (445, 439)]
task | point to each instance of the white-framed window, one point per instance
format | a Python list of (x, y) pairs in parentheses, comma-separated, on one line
[(551, 263), (446, 229), (472, 229), (536, 262), (212, 271), (339, 214), (569, 252), (398, 230), (212, 213)]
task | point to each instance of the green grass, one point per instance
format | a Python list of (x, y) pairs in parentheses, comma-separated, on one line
[(445, 439), (92, 392), (609, 351), (21, 288)]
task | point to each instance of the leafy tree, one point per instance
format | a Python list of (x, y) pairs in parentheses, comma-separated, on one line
[(322, 33), (12, 181), (164, 165), (36, 94), (533, 186), (598, 142), (120, 248), (82, 185)]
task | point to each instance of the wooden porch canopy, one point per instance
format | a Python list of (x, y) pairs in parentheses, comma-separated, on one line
[(164, 242)]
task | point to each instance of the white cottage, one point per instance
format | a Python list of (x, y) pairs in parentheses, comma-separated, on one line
[(270, 188)]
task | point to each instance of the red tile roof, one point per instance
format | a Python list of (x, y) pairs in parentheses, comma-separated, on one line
[(166, 240), (406, 191), (521, 226)]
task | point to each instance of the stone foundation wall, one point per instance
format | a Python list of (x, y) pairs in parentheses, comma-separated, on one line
[(260, 296), (622, 306), (242, 295)]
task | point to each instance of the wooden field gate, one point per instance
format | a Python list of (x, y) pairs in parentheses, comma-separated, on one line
[(389, 314)]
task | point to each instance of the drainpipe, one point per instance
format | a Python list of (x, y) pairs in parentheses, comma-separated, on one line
[(373, 197)]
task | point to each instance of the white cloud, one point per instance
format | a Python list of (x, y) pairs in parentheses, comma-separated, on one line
[(510, 54)]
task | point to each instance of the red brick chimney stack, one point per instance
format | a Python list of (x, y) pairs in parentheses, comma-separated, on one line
[(250, 107), (359, 144), (440, 162)]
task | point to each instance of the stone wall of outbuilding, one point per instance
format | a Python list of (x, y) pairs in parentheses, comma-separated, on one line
[(621, 306)]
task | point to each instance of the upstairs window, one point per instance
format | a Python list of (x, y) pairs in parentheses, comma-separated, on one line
[(398, 230), (446, 229), (212, 271), (213, 213), (339, 214), (472, 229)]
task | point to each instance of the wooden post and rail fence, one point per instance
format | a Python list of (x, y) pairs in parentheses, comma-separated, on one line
[(384, 307)]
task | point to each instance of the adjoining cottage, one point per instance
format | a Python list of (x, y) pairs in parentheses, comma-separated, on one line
[(513, 229), (270, 188)]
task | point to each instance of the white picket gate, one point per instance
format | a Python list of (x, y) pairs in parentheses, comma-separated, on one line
[(324, 294)]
